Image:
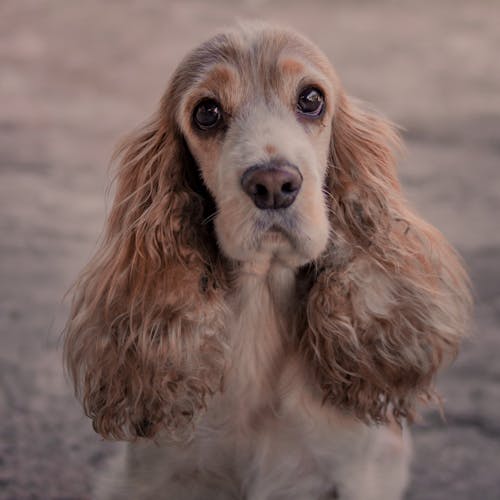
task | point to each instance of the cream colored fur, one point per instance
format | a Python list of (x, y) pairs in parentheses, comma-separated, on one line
[(267, 436), (261, 354)]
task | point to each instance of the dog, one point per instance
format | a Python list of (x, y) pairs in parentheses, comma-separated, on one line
[(265, 311)]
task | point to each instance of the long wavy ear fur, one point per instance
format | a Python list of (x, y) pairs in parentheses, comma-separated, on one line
[(143, 343), (390, 300)]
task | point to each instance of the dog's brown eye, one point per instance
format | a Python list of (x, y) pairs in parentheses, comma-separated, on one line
[(207, 114), (311, 102)]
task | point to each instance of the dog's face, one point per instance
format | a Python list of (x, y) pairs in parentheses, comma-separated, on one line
[(257, 119)]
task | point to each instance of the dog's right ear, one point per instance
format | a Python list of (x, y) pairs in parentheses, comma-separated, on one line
[(143, 341)]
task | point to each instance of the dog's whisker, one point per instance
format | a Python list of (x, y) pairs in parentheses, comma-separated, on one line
[(210, 218)]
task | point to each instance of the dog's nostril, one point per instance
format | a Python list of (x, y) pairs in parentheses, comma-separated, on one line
[(287, 187), (260, 190)]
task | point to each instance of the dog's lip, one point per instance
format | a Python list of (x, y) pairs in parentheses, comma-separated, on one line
[(275, 229), (276, 222), (278, 234)]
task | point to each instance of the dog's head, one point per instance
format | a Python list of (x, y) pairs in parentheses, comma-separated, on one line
[(256, 153), (255, 108)]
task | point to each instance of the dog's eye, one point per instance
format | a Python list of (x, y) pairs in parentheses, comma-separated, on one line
[(207, 114), (310, 102)]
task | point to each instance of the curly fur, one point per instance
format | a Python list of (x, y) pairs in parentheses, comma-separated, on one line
[(144, 342), (390, 301), (375, 305)]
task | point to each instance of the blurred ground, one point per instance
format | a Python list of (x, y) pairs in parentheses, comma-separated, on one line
[(75, 76)]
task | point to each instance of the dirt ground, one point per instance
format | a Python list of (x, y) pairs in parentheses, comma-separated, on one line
[(76, 76)]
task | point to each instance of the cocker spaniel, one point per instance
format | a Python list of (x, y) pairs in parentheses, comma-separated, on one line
[(265, 310)]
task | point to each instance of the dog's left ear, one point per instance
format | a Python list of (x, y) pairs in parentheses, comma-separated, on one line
[(390, 300)]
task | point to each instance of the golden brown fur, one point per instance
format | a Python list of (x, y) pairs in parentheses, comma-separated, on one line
[(385, 300), (390, 302), (155, 281)]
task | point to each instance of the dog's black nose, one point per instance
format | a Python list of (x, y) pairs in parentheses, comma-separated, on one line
[(272, 186)]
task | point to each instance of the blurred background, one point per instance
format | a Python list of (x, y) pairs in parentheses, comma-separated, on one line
[(76, 76)]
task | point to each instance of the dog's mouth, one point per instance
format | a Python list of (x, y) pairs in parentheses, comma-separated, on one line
[(276, 230), (273, 222), (276, 221), (276, 233)]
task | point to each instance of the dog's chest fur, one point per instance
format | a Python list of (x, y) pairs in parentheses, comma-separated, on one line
[(257, 424), (268, 436), (266, 430), (261, 333), (268, 433)]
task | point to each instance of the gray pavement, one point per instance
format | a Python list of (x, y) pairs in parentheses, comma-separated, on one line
[(76, 76)]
